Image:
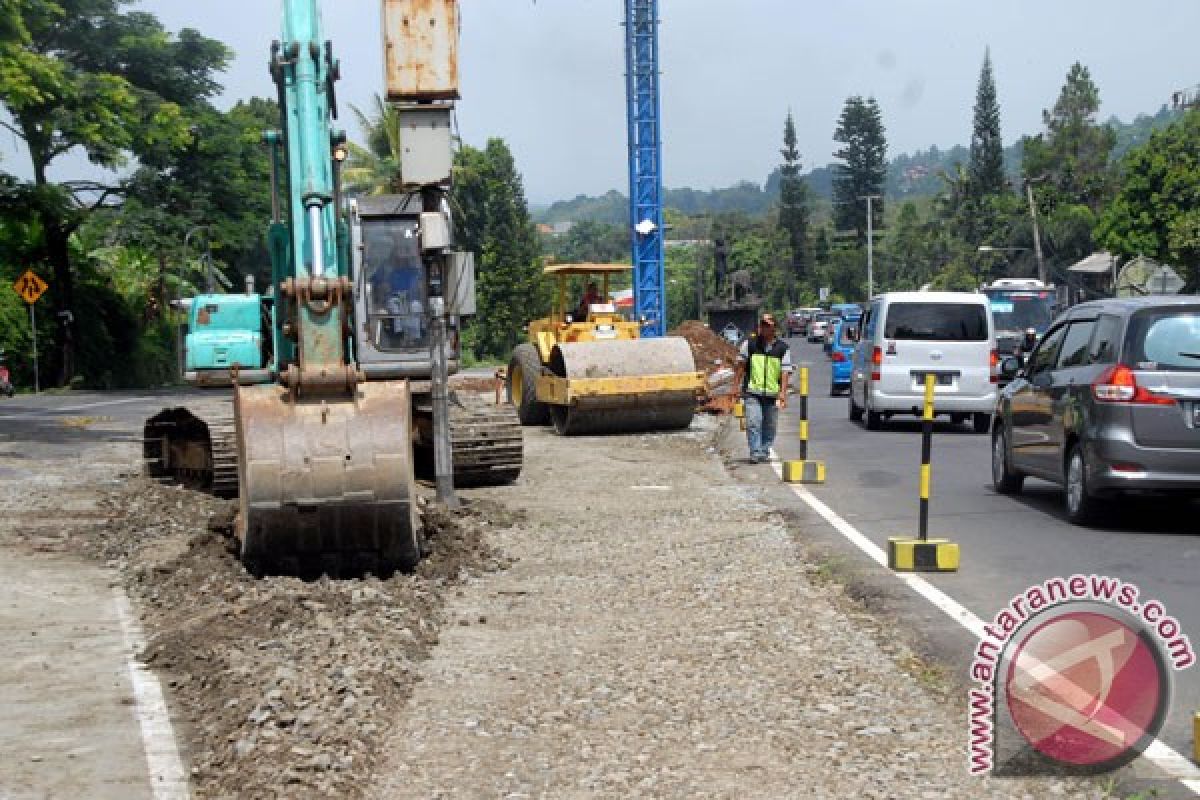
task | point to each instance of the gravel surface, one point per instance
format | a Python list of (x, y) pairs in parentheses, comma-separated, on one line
[(626, 621), (657, 636)]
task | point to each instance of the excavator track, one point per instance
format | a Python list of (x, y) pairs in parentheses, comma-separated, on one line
[(193, 445), (485, 442)]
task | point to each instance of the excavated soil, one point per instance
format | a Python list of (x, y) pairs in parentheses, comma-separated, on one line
[(716, 358), (475, 383), (284, 687), (279, 688), (711, 352)]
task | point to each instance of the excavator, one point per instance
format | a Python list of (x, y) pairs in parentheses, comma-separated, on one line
[(320, 447)]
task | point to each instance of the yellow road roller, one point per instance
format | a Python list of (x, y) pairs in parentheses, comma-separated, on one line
[(586, 369)]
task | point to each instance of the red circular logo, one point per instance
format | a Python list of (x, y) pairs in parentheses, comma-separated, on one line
[(1086, 689)]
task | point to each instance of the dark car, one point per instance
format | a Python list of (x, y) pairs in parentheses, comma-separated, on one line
[(1108, 401), (797, 321)]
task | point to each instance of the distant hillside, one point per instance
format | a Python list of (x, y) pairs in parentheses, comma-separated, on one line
[(909, 175), (613, 208)]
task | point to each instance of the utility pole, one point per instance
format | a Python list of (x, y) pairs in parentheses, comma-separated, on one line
[(870, 244), (1037, 238)]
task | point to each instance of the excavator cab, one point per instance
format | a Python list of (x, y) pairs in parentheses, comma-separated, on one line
[(392, 288)]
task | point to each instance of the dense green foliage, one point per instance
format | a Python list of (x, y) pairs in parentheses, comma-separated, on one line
[(97, 77), (1156, 213), (863, 165), (374, 168), (492, 220), (89, 74)]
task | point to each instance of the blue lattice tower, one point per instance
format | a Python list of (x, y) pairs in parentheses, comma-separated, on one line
[(645, 164)]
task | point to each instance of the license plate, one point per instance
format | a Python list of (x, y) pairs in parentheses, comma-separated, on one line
[(942, 378)]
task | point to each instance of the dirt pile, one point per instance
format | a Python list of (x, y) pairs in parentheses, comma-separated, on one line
[(285, 688), (476, 383), (717, 358)]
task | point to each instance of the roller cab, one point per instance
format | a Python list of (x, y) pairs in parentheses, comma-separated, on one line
[(586, 368)]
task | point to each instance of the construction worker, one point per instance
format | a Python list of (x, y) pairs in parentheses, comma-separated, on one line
[(764, 371)]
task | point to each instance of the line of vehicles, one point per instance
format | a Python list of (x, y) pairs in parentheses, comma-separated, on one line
[(1101, 399)]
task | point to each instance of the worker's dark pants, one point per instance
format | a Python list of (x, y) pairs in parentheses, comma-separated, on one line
[(761, 417)]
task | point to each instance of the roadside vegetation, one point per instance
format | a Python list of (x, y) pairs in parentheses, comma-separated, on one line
[(187, 199)]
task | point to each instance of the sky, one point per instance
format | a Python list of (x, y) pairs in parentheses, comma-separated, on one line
[(548, 76)]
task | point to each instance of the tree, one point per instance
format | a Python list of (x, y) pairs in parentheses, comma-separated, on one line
[(864, 164), (793, 205), (591, 241), (987, 150), (906, 265), (86, 74), (492, 220), (1073, 153), (375, 169), (221, 182), (1155, 213)]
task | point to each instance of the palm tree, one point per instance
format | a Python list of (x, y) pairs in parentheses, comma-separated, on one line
[(375, 169)]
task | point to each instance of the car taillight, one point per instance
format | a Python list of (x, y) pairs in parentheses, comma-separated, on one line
[(838, 355), (877, 362), (995, 366), (1118, 384)]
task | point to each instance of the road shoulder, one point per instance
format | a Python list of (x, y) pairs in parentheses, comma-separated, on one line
[(660, 634)]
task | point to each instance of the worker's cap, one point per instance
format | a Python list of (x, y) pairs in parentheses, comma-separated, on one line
[(767, 319)]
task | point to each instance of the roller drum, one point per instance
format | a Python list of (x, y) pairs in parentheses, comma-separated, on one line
[(623, 358), (326, 484)]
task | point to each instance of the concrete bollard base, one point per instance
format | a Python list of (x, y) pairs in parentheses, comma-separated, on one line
[(906, 554)]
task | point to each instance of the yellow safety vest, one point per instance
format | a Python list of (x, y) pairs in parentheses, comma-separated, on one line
[(764, 372)]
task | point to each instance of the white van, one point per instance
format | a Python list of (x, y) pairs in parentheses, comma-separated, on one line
[(905, 335)]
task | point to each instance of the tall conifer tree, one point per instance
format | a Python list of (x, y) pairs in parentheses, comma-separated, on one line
[(793, 203), (864, 164), (987, 149)]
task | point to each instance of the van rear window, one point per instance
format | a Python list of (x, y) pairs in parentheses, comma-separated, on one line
[(942, 322), (1164, 339)]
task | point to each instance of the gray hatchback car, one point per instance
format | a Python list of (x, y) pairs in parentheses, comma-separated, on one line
[(1109, 401)]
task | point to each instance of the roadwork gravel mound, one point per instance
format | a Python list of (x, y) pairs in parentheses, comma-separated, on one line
[(716, 358), (285, 688)]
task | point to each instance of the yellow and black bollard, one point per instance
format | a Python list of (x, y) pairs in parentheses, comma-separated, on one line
[(924, 554), (739, 411), (803, 470)]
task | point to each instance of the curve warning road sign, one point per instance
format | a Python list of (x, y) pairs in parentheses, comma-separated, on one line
[(30, 287)]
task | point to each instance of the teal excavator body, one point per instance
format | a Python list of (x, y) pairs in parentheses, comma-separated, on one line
[(325, 458), (320, 447)]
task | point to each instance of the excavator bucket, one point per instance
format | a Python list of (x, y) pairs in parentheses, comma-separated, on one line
[(326, 483), (619, 386)]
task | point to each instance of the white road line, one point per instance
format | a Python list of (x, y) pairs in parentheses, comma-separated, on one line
[(1158, 753), (168, 781), (51, 413)]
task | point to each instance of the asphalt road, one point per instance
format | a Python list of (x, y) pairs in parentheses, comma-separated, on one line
[(61, 424), (81, 719), (1008, 543)]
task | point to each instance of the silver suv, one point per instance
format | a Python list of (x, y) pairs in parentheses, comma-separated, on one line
[(1109, 401)]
